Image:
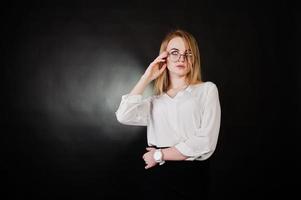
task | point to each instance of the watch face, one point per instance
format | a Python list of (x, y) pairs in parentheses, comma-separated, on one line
[(158, 155)]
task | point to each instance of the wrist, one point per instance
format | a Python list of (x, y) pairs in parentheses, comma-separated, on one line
[(158, 156), (145, 78)]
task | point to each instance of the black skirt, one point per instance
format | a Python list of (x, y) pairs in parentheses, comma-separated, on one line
[(177, 180)]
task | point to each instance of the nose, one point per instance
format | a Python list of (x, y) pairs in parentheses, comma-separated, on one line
[(182, 58)]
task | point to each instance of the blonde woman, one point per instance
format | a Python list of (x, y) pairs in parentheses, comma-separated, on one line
[(182, 118)]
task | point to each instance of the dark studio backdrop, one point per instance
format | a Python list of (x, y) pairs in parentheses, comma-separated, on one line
[(66, 66)]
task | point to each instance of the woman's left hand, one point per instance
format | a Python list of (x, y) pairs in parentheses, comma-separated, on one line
[(148, 157)]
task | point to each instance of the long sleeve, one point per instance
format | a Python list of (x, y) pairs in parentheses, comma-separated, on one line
[(203, 142), (133, 110)]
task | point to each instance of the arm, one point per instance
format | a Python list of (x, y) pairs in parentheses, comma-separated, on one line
[(173, 153), (170, 153), (133, 110), (202, 143), (140, 86)]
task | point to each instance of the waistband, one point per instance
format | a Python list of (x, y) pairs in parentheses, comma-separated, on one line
[(158, 147)]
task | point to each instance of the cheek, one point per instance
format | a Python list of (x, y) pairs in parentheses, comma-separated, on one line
[(169, 64)]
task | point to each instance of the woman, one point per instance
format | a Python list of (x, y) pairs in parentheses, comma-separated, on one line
[(182, 119)]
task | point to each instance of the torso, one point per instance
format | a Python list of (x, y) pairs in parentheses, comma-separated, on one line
[(172, 93)]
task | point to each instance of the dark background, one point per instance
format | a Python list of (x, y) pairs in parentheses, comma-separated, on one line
[(249, 49)]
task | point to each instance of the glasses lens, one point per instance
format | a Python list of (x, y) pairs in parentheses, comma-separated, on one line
[(188, 56), (175, 56)]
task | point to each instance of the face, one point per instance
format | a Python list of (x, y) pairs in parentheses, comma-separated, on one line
[(179, 57)]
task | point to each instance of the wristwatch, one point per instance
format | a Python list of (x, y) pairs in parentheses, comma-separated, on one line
[(158, 157)]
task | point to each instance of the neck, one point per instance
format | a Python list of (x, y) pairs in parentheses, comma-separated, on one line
[(177, 82)]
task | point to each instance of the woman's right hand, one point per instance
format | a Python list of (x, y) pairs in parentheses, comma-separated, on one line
[(156, 68)]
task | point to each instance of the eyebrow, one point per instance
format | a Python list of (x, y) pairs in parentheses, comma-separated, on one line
[(174, 49), (186, 51)]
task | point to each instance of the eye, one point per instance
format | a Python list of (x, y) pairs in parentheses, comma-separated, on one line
[(189, 54), (175, 53)]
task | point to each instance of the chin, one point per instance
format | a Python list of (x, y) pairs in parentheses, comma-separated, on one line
[(180, 73)]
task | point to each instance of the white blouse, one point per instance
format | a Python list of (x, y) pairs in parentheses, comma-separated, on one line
[(189, 121)]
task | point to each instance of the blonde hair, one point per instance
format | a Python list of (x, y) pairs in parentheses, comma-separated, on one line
[(194, 76)]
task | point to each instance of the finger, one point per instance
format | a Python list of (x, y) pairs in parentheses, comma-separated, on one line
[(158, 60), (163, 54), (147, 166), (149, 148), (163, 67)]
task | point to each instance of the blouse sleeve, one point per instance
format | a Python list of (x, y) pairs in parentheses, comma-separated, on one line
[(203, 142), (133, 110)]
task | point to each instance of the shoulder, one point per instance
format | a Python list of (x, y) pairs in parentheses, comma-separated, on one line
[(207, 85), (204, 90), (152, 98)]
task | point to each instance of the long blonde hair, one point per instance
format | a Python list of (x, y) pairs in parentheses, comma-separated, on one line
[(194, 76)]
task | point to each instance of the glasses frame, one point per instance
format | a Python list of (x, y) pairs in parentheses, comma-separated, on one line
[(186, 56)]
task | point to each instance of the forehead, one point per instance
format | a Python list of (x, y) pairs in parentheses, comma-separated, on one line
[(177, 43)]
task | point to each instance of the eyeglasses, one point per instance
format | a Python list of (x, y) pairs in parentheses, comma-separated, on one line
[(175, 56)]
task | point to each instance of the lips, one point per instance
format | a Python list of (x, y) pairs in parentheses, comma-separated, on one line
[(180, 66)]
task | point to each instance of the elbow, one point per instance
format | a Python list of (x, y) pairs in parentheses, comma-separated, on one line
[(196, 148), (120, 118), (123, 119), (130, 118)]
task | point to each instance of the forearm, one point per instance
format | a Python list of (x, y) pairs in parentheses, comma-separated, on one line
[(140, 86), (172, 154)]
